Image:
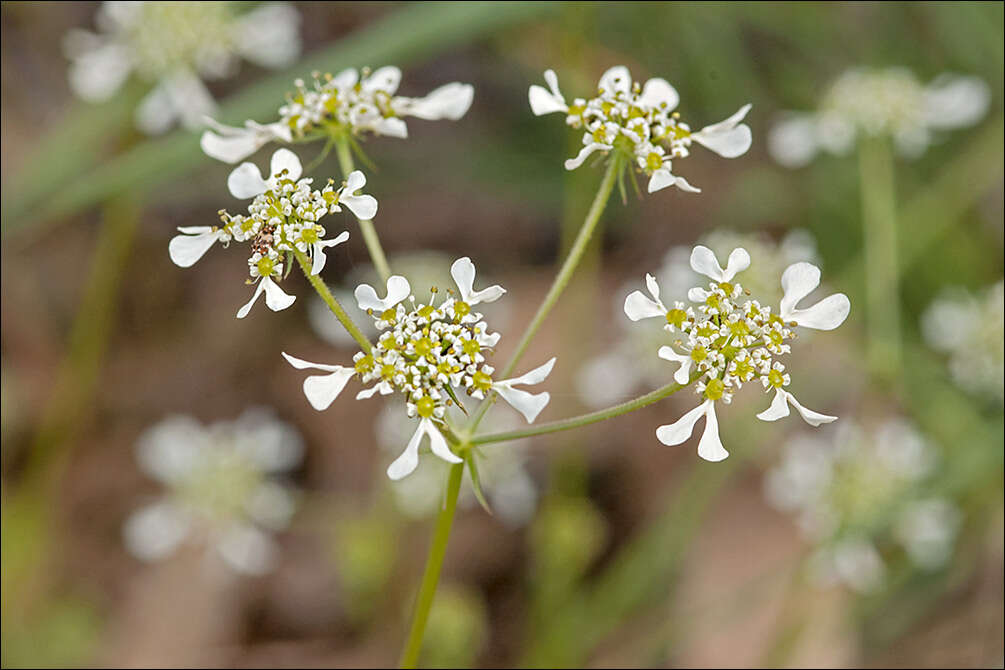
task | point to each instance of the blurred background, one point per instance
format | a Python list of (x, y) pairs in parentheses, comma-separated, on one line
[(873, 541)]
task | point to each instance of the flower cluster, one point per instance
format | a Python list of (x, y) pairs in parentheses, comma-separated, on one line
[(971, 329), (726, 341), (640, 124), (428, 353), (282, 218), (882, 102), (219, 490), (624, 365), (349, 103), (849, 491), (174, 45)]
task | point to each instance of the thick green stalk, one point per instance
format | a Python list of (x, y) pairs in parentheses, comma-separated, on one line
[(879, 220), (564, 274), (333, 304), (344, 154), (431, 576), (582, 419)]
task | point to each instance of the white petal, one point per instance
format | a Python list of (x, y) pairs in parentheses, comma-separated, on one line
[(247, 549), (98, 73), (245, 181), (172, 449), (616, 78), (681, 429), (710, 446), (793, 141), (275, 297), (683, 374), (319, 251), (157, 111), (544, 101), (827, 314), (284, 159), (728, 124), (155, 531), (321, 390), (354, 182), (345, 79), (269, 35), (683, 185), (727, 143), (437, 443), (406, 463), (660, 179), (185, 250), (397, 290), (232, 148), (271, 505), (528, 404), (535, 376), (367, 393), (809, 416), (246, 309), (659, 94), (364, 207), (451, 101), (952, 102), (697, 294), (384, 79), (301, 364), (391, 127), (703, 261), (653, 286), (638, 306), (584, 153), (778, 409), (739, 260), (798, 281), (463, 272)]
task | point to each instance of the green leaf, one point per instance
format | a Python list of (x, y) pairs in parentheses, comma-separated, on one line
[(476, 484)]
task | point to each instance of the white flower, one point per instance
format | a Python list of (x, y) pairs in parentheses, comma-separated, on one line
[(430, 353), (282, 220), (640, 123), (881, 102), (350, 102), (174, 45), (927, 529), (219, 489), (971, 330), (727, 343)]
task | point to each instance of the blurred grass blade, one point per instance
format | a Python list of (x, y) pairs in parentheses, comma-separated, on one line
[(406, 36)]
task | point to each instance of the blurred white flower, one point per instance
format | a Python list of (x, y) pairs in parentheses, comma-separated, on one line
[(851, 488), (350, 103), (873, 102), (971, 330), (927, 529), (219, 489), (174, 46), (639, 122)]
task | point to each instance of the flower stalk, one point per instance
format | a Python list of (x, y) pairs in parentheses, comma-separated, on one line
[(879, 218), (333, 303), (344, 153), (434, 564)]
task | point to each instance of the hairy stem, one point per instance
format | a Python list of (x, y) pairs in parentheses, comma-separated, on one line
[(344, 153), (333, 304), (434, 563), (879, 220), (564, 275), (582, 419)]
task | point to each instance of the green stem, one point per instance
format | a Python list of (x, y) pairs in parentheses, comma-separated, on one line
[(344, 153), (431, 576), (879, 219), (582, 419), (333, 304), (564, 274)]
